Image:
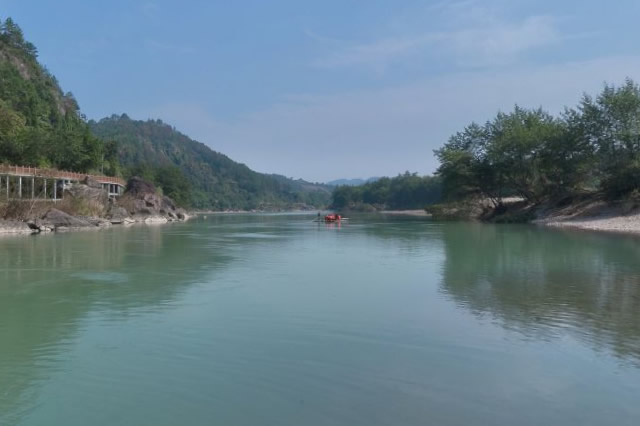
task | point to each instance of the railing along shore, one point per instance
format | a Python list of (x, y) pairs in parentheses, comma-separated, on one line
[(56, 174)]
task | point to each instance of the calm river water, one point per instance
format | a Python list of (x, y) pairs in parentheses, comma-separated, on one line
[(275, 320)]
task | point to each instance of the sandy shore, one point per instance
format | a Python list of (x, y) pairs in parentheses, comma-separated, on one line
[(595, 215)]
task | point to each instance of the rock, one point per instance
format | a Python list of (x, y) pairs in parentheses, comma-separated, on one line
[(182, 214), (15, 227), (167, 204), (92, 183), (97, 221), (57, 219), (79, 190), (144, 205), (139, 187), (155, 219), (117, 215), (45, 228)]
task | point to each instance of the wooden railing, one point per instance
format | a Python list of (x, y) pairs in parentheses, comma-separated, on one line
[(57, 174)]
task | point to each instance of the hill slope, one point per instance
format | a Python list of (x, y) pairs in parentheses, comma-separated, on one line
[(217, 181), (39, 124)]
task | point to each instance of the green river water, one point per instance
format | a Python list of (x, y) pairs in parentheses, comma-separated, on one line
[(276, 320)]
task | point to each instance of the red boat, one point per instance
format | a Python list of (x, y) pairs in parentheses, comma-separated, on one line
[(332, 218)]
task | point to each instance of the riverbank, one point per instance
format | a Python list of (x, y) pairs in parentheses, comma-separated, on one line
[(595, 214), (629, 224), (591, 212), (87, 206)]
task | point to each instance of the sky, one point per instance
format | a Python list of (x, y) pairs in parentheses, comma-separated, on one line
[(330, 89)]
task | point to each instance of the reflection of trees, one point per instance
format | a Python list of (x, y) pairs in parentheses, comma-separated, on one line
[(49, 284), (544, 282), (409, 235)]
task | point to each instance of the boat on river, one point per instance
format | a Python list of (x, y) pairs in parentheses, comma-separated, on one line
[(331, 218)]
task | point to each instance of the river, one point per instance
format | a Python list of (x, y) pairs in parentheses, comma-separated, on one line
[(276, 320)]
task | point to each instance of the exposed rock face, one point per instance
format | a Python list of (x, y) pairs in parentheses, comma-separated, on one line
[(118, 215), (90, 194), (56, 219), (15, 227), (138, 186), (145, 205)]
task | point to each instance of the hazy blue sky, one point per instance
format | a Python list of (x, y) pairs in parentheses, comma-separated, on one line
[(328, 89)]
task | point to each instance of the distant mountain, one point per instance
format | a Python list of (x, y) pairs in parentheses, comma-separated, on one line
[(216, 181), (352, 182)]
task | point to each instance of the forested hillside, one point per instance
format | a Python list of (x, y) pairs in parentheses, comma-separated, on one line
[(42, 126), (39, 124), (215, 180), (403, 192)]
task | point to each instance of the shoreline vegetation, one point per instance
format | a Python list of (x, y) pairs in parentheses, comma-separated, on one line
[(580, 169)]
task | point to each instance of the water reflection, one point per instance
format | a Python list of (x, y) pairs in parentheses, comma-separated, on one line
[(544, 283), (50, 284), (339, 340)]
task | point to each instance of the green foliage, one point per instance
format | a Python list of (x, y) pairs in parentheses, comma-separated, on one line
[(405, 191), (169, 181), (505, 156), (216, 181), (534, 155), (610, 126), (39, 125)]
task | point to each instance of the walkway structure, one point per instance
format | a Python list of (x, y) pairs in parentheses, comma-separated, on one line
[(47, 184)]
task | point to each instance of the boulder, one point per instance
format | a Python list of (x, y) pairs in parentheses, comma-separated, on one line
[(144, 205), (181, 214), (57, 219), (87, 193), (138, 187), (116, 214), (15, 227), (156, 219), (92, 183), (38, 225)]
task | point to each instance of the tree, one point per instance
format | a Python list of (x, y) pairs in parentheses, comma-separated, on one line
[(610, 125), (535, 155)]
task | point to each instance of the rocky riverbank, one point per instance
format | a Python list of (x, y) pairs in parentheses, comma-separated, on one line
[(87, 206)]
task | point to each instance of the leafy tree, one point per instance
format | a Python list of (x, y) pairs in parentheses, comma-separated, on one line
[(535, 155), (610, 124)]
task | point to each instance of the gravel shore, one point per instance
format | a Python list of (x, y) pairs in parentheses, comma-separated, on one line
[(627, 223), (595, 215)]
